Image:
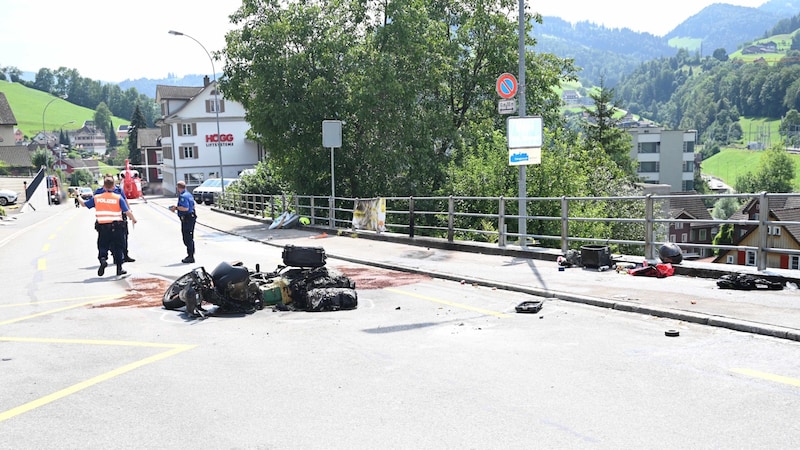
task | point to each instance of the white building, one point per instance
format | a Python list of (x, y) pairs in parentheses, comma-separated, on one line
[(189, 136), (664, 157)]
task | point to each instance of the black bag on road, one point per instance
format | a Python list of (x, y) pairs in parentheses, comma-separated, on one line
[(294, 256)]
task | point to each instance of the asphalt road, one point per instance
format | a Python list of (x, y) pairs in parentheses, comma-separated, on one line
[(95, 362)]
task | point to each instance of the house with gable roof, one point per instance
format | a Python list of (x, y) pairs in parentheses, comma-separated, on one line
[(189, 136), (687, 207), (781, 209)]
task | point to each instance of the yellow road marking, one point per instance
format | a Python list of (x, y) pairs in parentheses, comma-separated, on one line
[(44, 313), (46, 247), (173, 350), (768, 376), (51, 237), (41, 264), (61, 300), (449, 303)]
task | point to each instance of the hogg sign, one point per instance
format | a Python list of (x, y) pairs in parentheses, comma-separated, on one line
[(222, 139)]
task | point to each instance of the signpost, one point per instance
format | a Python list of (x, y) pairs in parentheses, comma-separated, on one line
[(332, 138)]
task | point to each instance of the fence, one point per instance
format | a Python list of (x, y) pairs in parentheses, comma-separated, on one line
[(455, 218)]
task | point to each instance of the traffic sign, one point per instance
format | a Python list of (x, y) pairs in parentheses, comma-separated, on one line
[(507, 86), (507, 106)]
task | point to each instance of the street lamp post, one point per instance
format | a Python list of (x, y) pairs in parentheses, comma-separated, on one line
[(216, 105), (44, 131)]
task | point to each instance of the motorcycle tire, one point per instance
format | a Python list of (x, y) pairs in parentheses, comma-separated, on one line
[(172, 299)]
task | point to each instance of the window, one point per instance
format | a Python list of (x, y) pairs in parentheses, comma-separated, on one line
[(167, 151), (159, 157), (649, 166), (159, 173), (729, 260), (188, 152), (702, 234), (750, 258), (794, 262), (186, 129), (688, 166), (678, 225), (649, 147), (687, 185), (211, 106), (688, 147), (774, 230), (684, 237)]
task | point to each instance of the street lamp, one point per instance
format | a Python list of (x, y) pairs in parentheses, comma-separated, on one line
[(44, 132), (216, 105)]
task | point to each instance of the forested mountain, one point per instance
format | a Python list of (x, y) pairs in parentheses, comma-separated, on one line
[(611, 53), (597, 50)]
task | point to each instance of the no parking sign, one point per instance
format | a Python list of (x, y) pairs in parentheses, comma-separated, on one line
[(507, 86)]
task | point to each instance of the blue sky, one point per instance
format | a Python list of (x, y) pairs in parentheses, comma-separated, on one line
[(104, 41)]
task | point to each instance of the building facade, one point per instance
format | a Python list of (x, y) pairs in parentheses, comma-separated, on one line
[(191, 148), (664, 157)]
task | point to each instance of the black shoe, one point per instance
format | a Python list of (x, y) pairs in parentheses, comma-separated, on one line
[(102, 269), (188, 260), (129, 259), (120, 271)]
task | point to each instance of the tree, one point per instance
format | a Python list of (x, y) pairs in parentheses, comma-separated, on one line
[(724, 236), (102, 119), (409, 79), (720, 54), (113, 142), (602, 130), (724, 208), (138, 122), (42, 157)]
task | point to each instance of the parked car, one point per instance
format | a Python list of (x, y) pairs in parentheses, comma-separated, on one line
[(86, 193), (205, 192), (7, 197)]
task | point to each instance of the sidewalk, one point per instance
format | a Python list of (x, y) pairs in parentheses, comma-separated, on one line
[(687, 298)]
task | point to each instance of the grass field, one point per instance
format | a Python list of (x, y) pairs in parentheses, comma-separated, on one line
[(730, 163), (28, 106)]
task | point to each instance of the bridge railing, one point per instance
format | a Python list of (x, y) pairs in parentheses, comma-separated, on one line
[(564, 223)]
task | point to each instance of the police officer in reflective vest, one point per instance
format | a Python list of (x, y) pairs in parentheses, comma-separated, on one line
[(109, 207)]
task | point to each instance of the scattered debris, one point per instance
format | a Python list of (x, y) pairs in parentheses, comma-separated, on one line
[(529, 306), (746, 282)]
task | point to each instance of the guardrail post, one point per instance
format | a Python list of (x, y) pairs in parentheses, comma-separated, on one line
[(501, 222), (564, 225), (649, 245), (763, 231), (331, 212), (411, 217), (312, 213), (451, 209)]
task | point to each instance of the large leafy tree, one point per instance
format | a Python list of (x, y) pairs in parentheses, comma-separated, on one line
[(413, 82)]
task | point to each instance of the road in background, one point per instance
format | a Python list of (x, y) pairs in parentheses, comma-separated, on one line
[(95, 362)]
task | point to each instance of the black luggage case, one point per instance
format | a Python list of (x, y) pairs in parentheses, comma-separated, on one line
[(294, 256)]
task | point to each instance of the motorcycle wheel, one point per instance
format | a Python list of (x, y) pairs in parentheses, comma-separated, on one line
[(172, 299)]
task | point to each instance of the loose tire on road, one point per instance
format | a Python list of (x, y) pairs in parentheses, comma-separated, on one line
[(172, 299)]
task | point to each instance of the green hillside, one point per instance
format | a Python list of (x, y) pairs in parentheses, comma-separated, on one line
[(731, 163), (28, 106)]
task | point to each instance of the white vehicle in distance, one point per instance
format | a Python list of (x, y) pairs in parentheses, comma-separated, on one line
[(205, 192)]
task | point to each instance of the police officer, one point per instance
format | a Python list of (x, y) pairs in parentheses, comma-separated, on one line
[(186, 212), (118, 190), (109, 208)]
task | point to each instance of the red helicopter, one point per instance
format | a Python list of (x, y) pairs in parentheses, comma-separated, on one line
[(131, 182)]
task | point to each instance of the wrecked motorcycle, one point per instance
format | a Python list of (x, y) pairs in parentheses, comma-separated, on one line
[(232, 287)]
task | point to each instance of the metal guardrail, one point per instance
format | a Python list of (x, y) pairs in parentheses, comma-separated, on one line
[(441, 216)]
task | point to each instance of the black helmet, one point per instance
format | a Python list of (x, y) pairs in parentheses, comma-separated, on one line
[(670, 253)]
